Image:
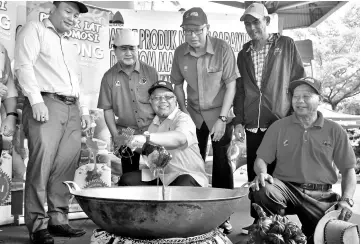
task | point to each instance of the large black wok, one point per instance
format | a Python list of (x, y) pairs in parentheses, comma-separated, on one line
[(140, 212)]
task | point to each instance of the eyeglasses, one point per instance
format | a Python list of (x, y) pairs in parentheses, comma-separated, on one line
[(196, 32), (158, 98)]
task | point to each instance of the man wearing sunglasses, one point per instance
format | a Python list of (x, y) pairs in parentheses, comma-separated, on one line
[(124, 94), (209, 66), (176, 132)]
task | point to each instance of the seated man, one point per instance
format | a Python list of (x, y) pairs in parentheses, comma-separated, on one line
[(176, 132), (305, 145)]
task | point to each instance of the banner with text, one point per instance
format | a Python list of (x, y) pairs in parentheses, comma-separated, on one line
[(8, 26)]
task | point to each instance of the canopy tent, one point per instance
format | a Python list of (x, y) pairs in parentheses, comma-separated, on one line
[(294, 14), (347, 121), (291, 14)]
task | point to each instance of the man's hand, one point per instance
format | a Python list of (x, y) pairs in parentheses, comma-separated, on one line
[(260, 180), (346, 211), (8, 126), (85, 122), (218, 130), (40, 112), (3, 90), (239, 132)]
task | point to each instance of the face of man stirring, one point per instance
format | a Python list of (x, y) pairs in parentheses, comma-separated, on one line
[(163, 102)]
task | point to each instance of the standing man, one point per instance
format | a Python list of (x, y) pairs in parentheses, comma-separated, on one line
[(306, 145), (124, 93), (209, 66), (47, 66), (267, 64)]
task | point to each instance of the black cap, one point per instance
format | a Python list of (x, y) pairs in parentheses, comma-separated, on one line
[(82, 8), (161, 84), (194, 16), (312, 82)]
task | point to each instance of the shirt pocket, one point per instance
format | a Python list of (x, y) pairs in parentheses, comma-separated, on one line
[(214, 77)]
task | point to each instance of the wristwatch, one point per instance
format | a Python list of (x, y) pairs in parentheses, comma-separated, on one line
[(147, 136), (348, 200), (223, 118)]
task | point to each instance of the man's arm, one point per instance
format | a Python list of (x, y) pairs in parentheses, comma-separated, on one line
[(110, 122), (297, 69), (179, 92), (348, 183), (228, 98), (27, 49)]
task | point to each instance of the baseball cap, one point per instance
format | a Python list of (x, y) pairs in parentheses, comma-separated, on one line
[(126, 37), (257, 10), (194, 16), (315, 84), (161, 84), (82, 8)]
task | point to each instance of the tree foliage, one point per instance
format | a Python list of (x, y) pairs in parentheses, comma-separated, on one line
[(336, 48)]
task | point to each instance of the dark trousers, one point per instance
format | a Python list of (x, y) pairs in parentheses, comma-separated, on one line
[(253, 141), (54, 151), (222, 174), (135, 179), (284, 198), (130, 160)]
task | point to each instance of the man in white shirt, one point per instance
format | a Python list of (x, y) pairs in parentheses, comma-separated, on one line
[(176, 132), (47, 67)]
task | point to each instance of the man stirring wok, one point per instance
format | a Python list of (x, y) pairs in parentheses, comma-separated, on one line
[(172, 131)]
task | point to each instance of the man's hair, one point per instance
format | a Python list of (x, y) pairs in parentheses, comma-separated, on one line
[(56, 3)]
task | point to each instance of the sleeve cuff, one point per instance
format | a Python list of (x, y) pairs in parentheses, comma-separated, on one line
[(84, 111), (35, 98)]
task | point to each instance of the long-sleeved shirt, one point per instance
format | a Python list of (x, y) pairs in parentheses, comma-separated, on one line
[(46, 61)]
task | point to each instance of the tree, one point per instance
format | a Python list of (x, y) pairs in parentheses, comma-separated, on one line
[(336, 44)]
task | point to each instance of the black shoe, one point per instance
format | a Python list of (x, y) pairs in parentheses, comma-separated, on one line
[(41, 237), (65, 231), (227, 227)]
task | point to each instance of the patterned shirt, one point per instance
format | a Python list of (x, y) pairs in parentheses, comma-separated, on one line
[(259, 57)]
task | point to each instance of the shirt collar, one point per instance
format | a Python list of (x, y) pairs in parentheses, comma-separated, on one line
[(318, 123), (47, 23), (172, 115), (270, 40), (136, 67), (209, 47)]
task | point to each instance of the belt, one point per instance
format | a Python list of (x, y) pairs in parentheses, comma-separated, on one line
[(313, 187), (68, 100)]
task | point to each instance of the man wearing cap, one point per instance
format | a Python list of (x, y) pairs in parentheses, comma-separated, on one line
[(306, 145), (54, 113), (267, 64), (176, 132), (209, 66), (124, 93)]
